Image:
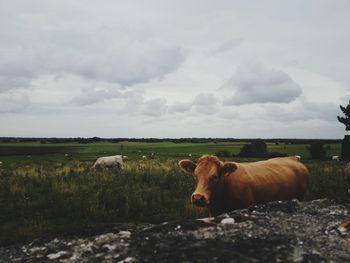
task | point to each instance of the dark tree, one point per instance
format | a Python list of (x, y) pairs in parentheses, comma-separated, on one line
[(257, 148), (260, 146), (317, 150), (345, 146), (345, 120)]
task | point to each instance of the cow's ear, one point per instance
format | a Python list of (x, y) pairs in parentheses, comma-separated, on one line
[(228, 168), (188, 166)]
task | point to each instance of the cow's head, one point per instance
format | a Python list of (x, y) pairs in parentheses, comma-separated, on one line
[(208, 173)]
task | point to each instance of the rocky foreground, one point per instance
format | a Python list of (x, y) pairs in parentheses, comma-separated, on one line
[(276, 232)]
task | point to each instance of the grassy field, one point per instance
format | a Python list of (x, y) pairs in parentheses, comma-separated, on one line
[(29, 152), (43, 192)]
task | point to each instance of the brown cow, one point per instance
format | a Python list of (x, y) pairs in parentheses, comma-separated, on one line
[(225, 186)]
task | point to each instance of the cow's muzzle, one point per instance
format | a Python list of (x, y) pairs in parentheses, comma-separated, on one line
[(199, 200)]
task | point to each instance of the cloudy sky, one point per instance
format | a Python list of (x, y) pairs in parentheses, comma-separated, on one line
[(243, 69)]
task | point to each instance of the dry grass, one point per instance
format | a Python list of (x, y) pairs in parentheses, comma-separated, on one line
[(43, 199)]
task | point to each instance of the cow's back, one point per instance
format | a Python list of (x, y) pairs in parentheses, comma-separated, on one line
[(109, 161), (270, 180)]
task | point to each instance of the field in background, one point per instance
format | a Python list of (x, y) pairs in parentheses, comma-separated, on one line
[(34, 151), (43, 192)]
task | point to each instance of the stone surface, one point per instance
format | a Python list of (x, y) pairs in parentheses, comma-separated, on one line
[(287, 231)]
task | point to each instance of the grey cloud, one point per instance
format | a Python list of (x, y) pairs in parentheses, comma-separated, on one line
[(191, 50), (118, 54), (13, 102), (206, 103), (326, 111), (345, 100), (179, 107), (134, 101), (92, 96), (19, 64), (9, 82), (129, 65), (303, 109), (227, 46), (229, 115), (255, 83), (154, 107)]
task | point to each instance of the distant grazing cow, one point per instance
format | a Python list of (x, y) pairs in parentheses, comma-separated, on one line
[(335, 158), (151, 156), (347, 174), (115, 161), (0, 162), (144, 157), (225, 186), (66, 155), (189, 155), (298, 157)]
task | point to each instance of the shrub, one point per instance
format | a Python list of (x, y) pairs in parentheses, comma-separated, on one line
[(255, 149), (223, 153), (260, 146), (317, 150), (247, 150)]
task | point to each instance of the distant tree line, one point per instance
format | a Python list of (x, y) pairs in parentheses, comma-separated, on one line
[(85, 140), (258, 149)]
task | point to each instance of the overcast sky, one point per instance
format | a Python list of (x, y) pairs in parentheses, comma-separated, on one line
[(243, 69)]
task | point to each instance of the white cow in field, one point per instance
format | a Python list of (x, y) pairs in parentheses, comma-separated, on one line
[(335, 158), (298, 157), (115, 161), (0, 162), (144, 157)]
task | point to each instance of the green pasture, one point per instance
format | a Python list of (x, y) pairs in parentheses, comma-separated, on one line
[(36, 152), (45, 193)]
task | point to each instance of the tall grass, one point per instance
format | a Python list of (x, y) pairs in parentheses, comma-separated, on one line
[(51, 198), (327, 180), (42, 199)]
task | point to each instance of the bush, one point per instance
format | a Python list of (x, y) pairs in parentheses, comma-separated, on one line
[(317, 150), (223, 153), (260, 146), (255, 149)]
